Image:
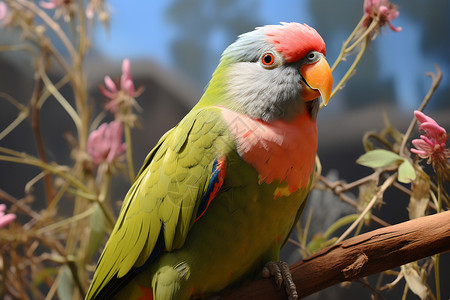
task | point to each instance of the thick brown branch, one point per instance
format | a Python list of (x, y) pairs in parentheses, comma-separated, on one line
[(360, 256)]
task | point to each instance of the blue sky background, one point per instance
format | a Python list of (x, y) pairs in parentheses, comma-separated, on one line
[(144, 31), (395, 63)]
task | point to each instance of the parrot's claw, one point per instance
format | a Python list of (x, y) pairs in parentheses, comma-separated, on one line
[(280, 271)]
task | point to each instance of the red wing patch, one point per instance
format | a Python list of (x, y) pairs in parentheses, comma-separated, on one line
[(215, 183)]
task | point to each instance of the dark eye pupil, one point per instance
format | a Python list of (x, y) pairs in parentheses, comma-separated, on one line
[(311, 56), (268, 59)]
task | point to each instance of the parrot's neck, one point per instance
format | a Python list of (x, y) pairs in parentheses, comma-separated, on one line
[(283, 151)]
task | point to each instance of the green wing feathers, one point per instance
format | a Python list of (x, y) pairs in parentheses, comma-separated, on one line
[(165, 195)]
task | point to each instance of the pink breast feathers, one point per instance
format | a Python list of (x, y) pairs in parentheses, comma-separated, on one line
[(279, 150)]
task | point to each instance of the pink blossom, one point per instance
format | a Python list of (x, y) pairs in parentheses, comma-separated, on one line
[(126, 81), (119, 92), (90, 11), (431, 146), (97, 7), (105, 143), (381, 10), (5, 219), (5, 16), (64, 8), (52, 4), (3, 10)]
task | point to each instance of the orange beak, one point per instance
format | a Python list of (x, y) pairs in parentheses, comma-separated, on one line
[(319, 80)]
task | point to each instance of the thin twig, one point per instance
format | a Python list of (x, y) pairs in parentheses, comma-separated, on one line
[(45, 94), (369, 206), (343, 52), (19, 47), (32, 161), (351, 69), (350, 201), (24, 111), (129, 152), (108, 214), (16, 202), (12, 101), (364, 38), (361, 181), (66, 221), (79, 283), (365, 34), (35, 124), (60, 98), (30, 5), (374, 290), (444, 195), (402, 188), (106, 181), (23, 115), (374, 218), (54, 286), (435, 80), (437, 256)]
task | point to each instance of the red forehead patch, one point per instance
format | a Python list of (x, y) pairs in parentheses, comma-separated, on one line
[(294, 40)]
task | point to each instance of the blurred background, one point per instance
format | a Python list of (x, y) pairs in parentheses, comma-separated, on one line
[(175, 45)]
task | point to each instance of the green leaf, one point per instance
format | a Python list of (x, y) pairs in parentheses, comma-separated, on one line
[(97, 226), (322, 240), (406, 172), (66, 285), (314, 244), (344, 221), (379, 158)]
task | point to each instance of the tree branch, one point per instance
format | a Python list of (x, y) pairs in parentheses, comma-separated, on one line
[(360, 256)]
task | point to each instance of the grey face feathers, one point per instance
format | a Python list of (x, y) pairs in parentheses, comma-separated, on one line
[(264, 93), (261, 88), (260, 74)]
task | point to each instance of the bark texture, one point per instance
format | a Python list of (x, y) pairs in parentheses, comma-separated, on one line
[(360, 256)]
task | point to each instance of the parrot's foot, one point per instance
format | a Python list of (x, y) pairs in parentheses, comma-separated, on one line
[(280, 271)]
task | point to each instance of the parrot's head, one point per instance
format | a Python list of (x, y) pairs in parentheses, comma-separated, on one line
[(273, 72)]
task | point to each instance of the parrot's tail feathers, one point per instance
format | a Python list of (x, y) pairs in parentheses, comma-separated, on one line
[(215, 183), (116, 284)]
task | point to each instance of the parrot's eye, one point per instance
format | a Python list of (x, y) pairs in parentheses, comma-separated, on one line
[(268, 59), (312, 56)]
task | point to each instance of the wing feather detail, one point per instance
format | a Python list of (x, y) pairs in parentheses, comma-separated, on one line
[(164, 198)]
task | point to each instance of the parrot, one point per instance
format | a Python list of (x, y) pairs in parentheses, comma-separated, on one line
[(218, 196)]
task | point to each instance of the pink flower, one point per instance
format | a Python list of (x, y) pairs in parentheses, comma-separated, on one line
[(52, 4), (65, 8), (5, 219), (120, 93), (90, 13), (382, 11), (431, 146), (105, 143), (4, 14), (3, 10), (97, 7)]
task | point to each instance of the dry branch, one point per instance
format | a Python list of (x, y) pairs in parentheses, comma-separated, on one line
[(360, 256)]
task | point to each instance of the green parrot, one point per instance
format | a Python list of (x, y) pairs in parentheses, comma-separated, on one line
[(217, 198)]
